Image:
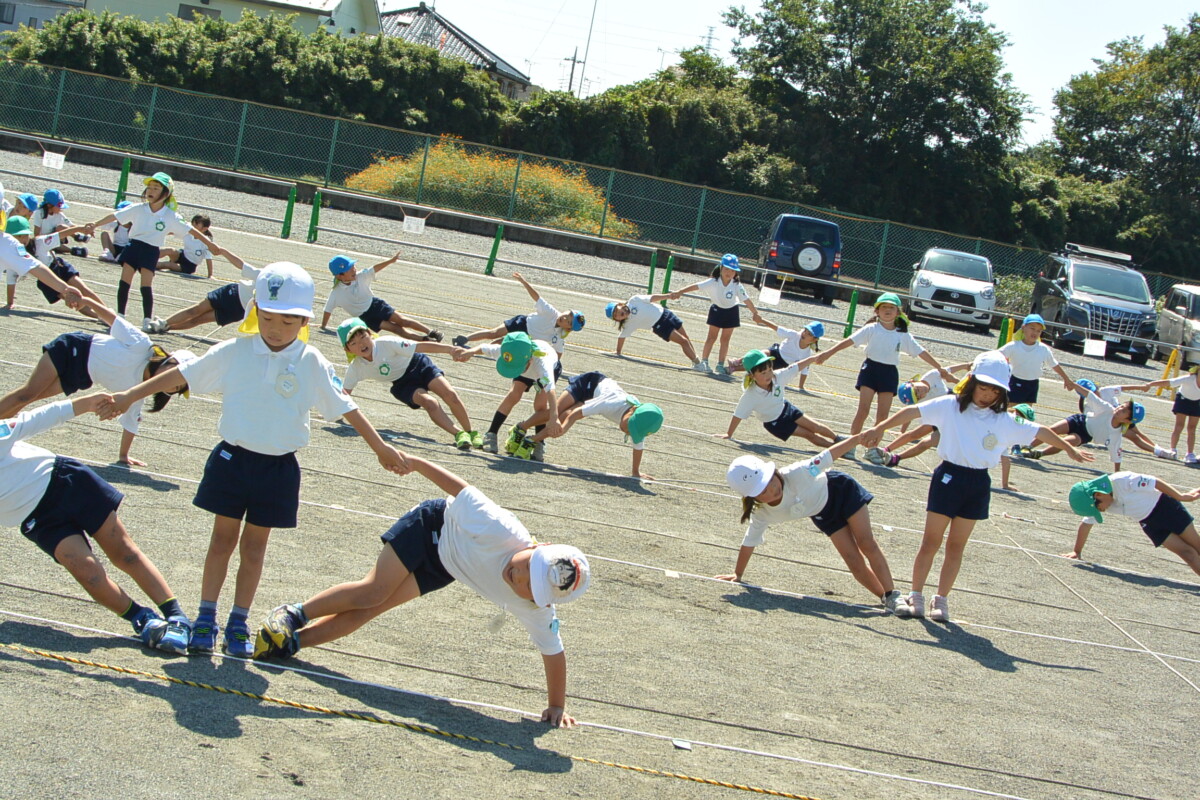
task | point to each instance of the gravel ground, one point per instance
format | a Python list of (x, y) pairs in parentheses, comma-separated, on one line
[(1056, 679)]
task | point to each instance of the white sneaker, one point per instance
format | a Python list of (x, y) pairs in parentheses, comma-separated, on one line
[(1162, 452), (890, 601), (852, 453), (107, 257), (157, 325), (911, 605), (490, 444), (940, 609), (701, 366), (1190, 458), (147, 325)]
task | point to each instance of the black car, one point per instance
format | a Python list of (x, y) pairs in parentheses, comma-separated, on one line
[(1099, 291), (807, 246)]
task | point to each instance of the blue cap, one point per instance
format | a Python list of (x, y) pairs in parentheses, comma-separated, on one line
[(730, 261), (608, 309), (906, 395), (30, 201), (341, 264), (1139, 414), (577, 321), (53, 197), (1033, 318), (124, 204), (817, 329), (1086, 384)]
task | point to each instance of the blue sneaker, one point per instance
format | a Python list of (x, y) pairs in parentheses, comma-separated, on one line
[(176, 636), (238, 641), (204, 635), (149, 627)]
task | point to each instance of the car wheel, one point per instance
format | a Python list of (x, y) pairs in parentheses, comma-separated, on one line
[(809, 258), (1139, 360)]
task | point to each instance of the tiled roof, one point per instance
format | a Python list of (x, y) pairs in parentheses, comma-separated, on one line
[(423, 25)]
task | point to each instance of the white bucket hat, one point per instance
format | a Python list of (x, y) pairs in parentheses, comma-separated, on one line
[(749, 475), (558, 573), (992, 368)]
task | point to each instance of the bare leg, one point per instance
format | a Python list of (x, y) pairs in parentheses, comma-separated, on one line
[(816, 432), (723, 351), (681, 338), (1180, 421), (709, 341), (956, 544), (865, 396), (883, 404), (87, 292), (931, 542), (125, 555), (1191, 434), (75, 555), (1187, 546), (498, 332), (442, 388), (226, 531), (435, 411), (399, 325), (253, 551), (342, 609), (42, 383), (852, 550), (1060, 428), (192, 316)]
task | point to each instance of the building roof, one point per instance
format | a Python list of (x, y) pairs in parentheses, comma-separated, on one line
[(422, 25)]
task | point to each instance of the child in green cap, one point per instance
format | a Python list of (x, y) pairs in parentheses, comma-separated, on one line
[(763, 396), (1156, 505)]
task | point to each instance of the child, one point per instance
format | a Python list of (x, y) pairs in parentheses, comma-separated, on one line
[(24, 207), (763, 395), (352, 292), (411, 376), (464, 537), (794, 346), (125, 357), (151, 221), (1154, 503), (269, 381), (1102, 422), (188, 257), (1186, 409), (644, 311), (595, 393), (727, 293), (17, 261), (115, 237), (224, 306), (49, 218), (1028, 356), (546, 324), (527, 363), (58, 502), (40, 248), (884, 336), (1112, 396), (834, 501), (927, 387), (975, 433)]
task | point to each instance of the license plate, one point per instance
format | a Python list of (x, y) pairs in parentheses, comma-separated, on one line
[(1115, 339)]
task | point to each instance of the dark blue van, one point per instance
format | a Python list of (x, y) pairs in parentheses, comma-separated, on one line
[(807, 246)]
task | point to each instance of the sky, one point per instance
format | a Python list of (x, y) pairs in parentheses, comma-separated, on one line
[(1049, 40)]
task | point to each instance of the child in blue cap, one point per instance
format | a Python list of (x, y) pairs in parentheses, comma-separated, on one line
[(1101, 421), (644, 311), (793, 346), (546, 324), (352, 293), (1028, 356), (725, 290)]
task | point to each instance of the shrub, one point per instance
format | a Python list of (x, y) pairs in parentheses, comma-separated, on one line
[(1013, 293), (457, 176)]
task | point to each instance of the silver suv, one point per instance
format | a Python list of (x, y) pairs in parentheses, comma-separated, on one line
[(1179, 323)]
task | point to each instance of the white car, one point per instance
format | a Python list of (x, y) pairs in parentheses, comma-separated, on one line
[(950, 284)]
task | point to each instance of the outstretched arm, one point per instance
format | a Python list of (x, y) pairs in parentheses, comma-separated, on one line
[(928, 358), (675, 295), (1172, 492), (821, 358), (739, 568), (529, 288), (385, 264), (389, 457), (439, 476), (871, 436), (556, 691), (1054, 440), (1081, 536)]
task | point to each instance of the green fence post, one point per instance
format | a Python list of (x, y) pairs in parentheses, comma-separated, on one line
[(421, 180), (337, 125), (123, 183), (315, 217), (882, 247), (287, 215), (699, 216), (1003, 340), (978, 242), (512, 197), (150, 119), (62, 81), (237, 149), (491, 264), (653, 265), (850, 317), (604, 216), (666, 287)]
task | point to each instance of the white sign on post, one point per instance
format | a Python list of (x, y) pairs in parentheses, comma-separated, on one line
[(1095, 347), (414, 224), (53, 160), (768, 296)]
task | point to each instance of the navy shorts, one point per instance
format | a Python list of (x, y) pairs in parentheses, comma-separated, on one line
[(583, 387), (667, 324), (1022, 391), (529, 381), (517, 324), (846, 497), (69, 354), (1169, 516), (226, 304), (1189, 408), (724, 317), (378, 313), (420, 373), (77, 501), (414, 540), (240, 483), (883, 378), (957, 491), (186, 265), (1077, 424), (778, 361), (140, 255), (784, 425), (64, 271)]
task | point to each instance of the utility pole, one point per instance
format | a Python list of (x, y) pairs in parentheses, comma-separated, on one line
[(574, 60), (587, 47)]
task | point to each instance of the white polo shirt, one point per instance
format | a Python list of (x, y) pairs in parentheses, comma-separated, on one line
[(43, 224), (25, 469), (805, 493), (642, 314), (977, 437), (768, 403), (355, 297), (543, 324), (477, 540), (611, 401), (1099, 425), (541, 365), (1134, 495), (267, 395), (937, 386), (118, 361), (884, 346), (391, 358), (42, 251), (1028, 360), (724, 295), (152, 227), (195, 251), (1187, 386), (14, 258), (790, 349)]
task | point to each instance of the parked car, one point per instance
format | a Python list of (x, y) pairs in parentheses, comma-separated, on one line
[(807, 246), (1179, 323), (950, 284), (1099, 291)]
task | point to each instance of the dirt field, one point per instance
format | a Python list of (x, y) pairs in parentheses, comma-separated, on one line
[(1056, 679)]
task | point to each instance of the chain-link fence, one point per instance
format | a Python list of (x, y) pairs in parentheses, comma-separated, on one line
[(413, 167)]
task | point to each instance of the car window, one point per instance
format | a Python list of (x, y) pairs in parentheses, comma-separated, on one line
[(800, 231), (1116, 283), (962, 265)]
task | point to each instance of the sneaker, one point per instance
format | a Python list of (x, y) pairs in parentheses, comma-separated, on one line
[(893, 460), (732, 366), (1190, 458), (1162, 452), (890, 600), (459, 341), (462, 440), (1015, 451), (279, 634), (146, 620), (204, 635), (107, 257), (476, 439), (489, 443), (877, 456), (721, 369), (852, 453), (911, 605), (939, 610), (238, 642), (158, 325), (176, 636), (147, 325), (433, 336), (82, 238), (79, 252), (524, 448), (539, 451), (701, 366), (1029, 452)]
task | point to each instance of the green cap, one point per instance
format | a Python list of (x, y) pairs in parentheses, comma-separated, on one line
[(646, 419), (18, 226), (515, 351), (1025, 410), (347, 329), (888, 297), (1082, 497), (753, 359), (162, 178)]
